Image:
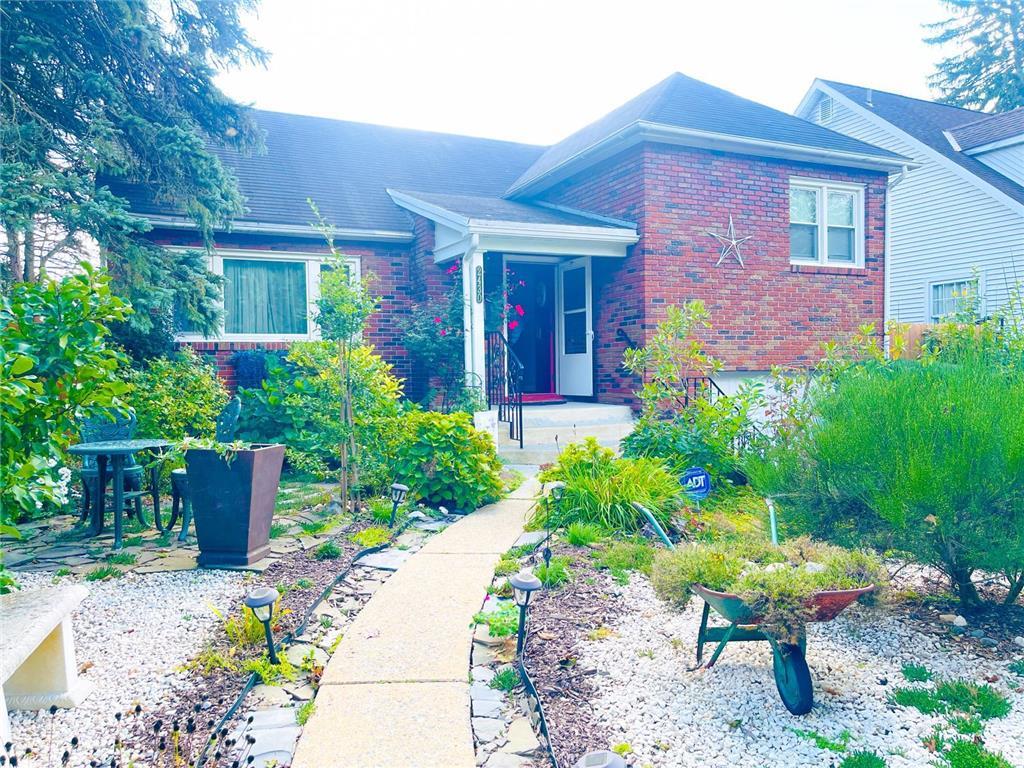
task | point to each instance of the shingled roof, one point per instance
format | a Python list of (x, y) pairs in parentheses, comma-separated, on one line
[(346, 168), (989, 129), (927, 122), (682, 102)]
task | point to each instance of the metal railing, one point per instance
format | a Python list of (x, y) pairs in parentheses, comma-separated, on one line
[(701, 388), (505, 384)]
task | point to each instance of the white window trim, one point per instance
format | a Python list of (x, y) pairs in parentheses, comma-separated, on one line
[(821, 188), (970, 278), (312, 262)]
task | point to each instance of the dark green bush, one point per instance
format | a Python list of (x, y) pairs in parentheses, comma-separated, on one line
[(445, 460), (923, 458), (600, 489)]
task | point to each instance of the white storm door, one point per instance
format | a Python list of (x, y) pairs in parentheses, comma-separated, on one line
[(575, 337)]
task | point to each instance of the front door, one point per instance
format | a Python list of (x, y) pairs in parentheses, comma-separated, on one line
[(575, 337)]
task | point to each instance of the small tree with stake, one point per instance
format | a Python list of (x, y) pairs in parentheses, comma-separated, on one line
[(342, 310)]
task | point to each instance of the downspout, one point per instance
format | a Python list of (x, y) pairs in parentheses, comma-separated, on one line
[(891, 184)]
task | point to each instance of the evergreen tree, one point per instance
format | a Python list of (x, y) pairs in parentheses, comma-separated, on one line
[(988, 70), (121, 88)]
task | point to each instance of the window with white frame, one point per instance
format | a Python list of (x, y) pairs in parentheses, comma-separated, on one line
[(826, 223), (271, 296), (956, 297)]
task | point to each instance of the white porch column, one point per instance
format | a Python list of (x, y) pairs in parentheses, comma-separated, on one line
[(473, 317)]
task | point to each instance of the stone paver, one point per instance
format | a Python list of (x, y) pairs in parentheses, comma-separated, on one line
[(395, 694)]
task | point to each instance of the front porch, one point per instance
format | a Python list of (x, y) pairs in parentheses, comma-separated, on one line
[(527, 284)]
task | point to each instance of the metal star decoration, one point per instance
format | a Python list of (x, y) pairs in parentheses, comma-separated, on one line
[(730, 244)]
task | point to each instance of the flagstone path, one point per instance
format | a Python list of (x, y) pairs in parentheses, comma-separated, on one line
[(396, 693)]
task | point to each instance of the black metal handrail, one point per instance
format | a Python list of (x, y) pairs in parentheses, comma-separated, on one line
[(505, 384), (701, 388)]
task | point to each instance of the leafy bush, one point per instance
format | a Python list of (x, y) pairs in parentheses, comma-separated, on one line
[(445, 460), (503, 622), (775, 582), (178, 396), (583, 534), (862, 760), (926, 458), (301, 402), (601, 489), (505, 679), (55, 368), (327, 551), (555, 573), (621, 557), (373, 536), (965, 753), (916, 673)]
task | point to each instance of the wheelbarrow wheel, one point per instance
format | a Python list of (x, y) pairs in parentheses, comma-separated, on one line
[(793, 679)]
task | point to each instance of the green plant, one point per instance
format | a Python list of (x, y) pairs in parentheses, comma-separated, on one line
[(622, 749), (372, 536), (277, 530), (380, 511), (964, 753), (916, 673), (304, 712), (1017, 667), (62, 571), (980, 701), (271, 674), (506, 566), (966, 726), (242, 627), (103, 573), (925, 458), (503, 622), (327, 551), (210, 659), (176, 396), (505, 679), (862, 760), (621, 557), (822, 742), (601, 490), (445, 460), (583, 534), (121, 558), (320, 527), (304, 583), (554, 573)]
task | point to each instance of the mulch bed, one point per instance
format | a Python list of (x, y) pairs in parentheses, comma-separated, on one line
[(559, 620)]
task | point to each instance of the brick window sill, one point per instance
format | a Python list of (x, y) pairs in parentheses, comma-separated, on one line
[(811, 269)]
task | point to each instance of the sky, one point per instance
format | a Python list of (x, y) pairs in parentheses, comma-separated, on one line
[(535, 71)]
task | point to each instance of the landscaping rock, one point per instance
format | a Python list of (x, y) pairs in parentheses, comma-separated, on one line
[(521, 738), (482, 674), (988, 642), (270, 696), (487, 729), (505, 760), (1019, 641), (960, 621), (388, 560), (298, 652), (531, 538), (948, 618)]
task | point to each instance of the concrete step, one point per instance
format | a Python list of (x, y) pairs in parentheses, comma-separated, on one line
[(566, 434), (575, 413), (540, 453)]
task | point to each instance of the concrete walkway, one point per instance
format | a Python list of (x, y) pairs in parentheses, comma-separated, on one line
[(396, 692)]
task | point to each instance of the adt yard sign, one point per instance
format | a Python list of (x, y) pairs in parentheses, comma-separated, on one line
[(697, 483)]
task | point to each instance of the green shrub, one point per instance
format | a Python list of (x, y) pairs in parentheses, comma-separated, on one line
[(304, 712), (300, 405), (601, 489), (504, 622), (175, 397), (916, 673), (505, 679), (555, 573), (963, 753), (103, 573), (621, 557), (981, 701), (445, 460), (926, 458), (327, 551), (583, 534), (506, 566), (862, 760), (372, 536)]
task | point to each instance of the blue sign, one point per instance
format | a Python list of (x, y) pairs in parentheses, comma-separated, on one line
[(696, 482)]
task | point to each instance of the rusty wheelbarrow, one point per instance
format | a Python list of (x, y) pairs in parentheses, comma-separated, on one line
[(792, 677)]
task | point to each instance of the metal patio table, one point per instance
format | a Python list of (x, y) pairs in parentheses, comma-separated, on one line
[(115, 452)]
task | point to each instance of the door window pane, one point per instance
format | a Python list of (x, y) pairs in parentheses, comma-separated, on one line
[(575, 333), (803, 241), (263, 296), (574, 289), (840, 244)]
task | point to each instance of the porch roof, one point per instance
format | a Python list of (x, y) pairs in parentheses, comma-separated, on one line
[(492, 223)]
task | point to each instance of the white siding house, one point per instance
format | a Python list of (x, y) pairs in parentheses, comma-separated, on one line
[(957, 215)]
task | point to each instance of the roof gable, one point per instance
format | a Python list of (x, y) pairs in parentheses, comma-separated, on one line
[(928, 122), (990, 129), (682, 102)]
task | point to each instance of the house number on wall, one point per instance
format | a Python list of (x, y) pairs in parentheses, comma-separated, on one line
[(479, 271)]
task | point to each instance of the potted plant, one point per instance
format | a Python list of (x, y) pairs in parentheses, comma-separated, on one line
[(233, 489)]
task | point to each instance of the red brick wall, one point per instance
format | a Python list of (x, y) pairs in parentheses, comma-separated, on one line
[(765, 314), (387, 262)]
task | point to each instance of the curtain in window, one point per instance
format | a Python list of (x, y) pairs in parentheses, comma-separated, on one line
[(265, 296)]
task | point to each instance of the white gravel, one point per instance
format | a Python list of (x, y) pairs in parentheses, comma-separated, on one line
[(136, 632), (732, 715)]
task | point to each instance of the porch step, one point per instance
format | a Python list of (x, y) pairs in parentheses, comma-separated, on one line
[(569, 423), (543, 398)]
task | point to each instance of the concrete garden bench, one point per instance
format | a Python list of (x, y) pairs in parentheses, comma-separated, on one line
[(37, 651)]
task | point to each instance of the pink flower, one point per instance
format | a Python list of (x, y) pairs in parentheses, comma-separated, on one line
[(513, 325), (522, 282), (437, 320), (519, 310), (444, 332), (453, 268)]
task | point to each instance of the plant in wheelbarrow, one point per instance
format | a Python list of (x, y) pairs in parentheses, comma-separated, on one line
[(768, 593)]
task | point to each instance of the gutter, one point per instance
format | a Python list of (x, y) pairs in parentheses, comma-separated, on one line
[(887, 251), (292, 230)]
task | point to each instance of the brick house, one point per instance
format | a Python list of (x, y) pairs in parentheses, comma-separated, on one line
[(595, 234)]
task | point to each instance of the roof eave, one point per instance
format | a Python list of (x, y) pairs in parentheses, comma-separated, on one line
[(291, 230), (992, 146), (642, 131)]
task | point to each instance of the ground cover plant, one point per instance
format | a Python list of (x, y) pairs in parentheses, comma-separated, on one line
[(601, 489)]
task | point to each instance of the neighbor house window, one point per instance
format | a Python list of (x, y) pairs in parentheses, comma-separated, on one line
[(956, 297), (264, 297), (826, 223)]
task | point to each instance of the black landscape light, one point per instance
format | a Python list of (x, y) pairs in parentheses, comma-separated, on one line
[(601, 759), (523, 584), (261, 602), (398, 494), (557, 491)]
